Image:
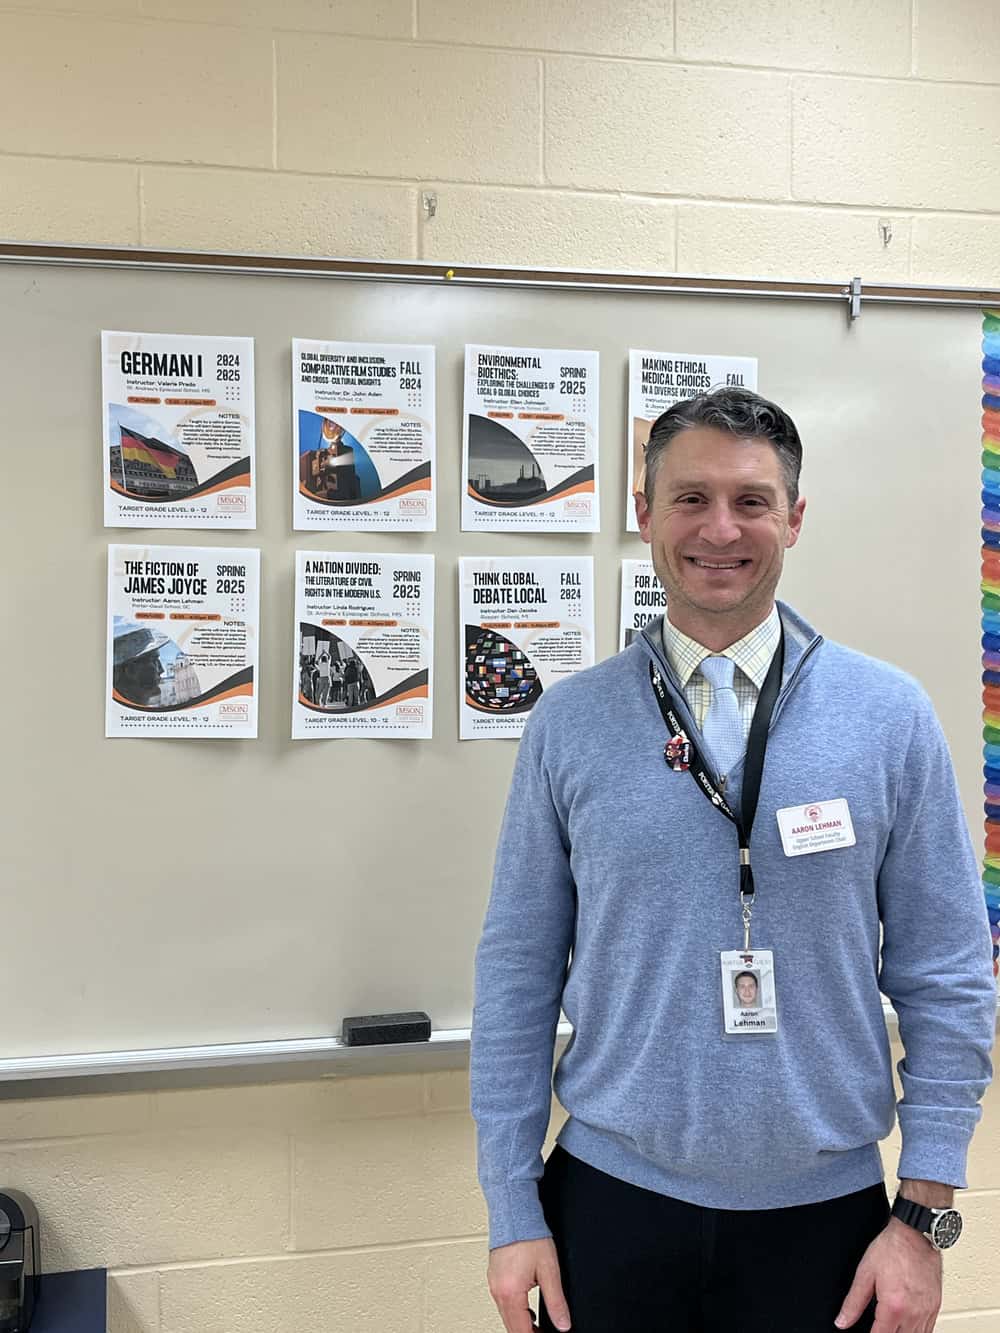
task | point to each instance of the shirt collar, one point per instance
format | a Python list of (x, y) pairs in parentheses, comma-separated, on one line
[(752, 654)]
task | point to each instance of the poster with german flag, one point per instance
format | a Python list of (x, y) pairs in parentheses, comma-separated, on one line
[(525, 623), (364, 642), (364, 432), (183, 636), (530, 447), (178, 431)]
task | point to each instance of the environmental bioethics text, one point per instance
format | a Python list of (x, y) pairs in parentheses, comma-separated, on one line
[(498, 373)]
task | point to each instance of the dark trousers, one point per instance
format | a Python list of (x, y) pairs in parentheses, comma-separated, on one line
[(633, 1261)]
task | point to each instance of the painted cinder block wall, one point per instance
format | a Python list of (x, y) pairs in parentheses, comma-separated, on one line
[(755, 137), (763, 138)]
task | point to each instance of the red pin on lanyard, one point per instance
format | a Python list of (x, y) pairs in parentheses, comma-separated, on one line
[(677, 753)]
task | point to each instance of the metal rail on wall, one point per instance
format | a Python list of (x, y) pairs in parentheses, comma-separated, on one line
[(853, 294)]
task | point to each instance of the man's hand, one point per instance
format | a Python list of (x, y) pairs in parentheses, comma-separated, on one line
[(903, 1271), (514, 1270)]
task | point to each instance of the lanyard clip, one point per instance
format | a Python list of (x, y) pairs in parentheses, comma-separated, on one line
[(746, 894), (747, 913)]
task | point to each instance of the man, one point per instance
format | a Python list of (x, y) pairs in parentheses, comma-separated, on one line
[(625, 884), (746, 990), (351, 682), (138, 671), (324, 668)]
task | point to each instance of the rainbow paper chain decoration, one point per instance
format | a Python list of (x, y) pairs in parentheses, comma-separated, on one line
[(991, 619)]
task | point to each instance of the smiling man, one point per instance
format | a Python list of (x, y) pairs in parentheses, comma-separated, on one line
[(747, 990), (732, 796)]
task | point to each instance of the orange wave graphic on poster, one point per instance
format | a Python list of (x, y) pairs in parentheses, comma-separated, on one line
[(238, 690), (421, 484), (418, 692), (246, 691), (582, 488), (229, 484)]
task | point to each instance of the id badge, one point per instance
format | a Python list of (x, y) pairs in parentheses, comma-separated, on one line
[(749, 1001), (821, 826)]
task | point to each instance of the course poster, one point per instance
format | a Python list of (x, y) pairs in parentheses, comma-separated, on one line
[(526, 622), (178, 431), (363, 426), (364, 639), (529, 457), (182, 641), (643, 599), (657, 380)]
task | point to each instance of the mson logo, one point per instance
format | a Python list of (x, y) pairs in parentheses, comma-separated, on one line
[(415, 505), (410, 712), (577, 505), (237, 503), (234, 709), (813, 812)]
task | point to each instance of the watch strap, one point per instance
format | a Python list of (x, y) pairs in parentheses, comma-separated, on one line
[(914, 1215)]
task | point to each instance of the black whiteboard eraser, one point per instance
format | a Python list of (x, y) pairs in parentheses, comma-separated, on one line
[(385, 1029)]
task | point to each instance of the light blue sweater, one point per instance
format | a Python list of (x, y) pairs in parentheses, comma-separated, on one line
[(614, 891)]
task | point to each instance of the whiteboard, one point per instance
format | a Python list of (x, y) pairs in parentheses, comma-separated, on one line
[(185, 892)]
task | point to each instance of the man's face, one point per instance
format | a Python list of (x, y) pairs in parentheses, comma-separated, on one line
[(718, 529), (746, 989), (149, 669)]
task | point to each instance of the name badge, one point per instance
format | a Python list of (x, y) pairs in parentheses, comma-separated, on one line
[(749, 1000), (820, 826)]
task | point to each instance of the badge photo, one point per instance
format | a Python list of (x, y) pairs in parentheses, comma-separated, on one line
[(749, 1001)]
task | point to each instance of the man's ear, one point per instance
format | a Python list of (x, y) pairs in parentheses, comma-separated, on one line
[(643, 516), (795, 521)]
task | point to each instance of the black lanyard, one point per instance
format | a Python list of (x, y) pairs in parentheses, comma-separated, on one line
[(753, 766)]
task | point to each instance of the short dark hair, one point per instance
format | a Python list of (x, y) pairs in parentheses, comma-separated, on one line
[(738, 412)]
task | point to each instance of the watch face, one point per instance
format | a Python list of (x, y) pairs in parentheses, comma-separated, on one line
[(946, 1228)]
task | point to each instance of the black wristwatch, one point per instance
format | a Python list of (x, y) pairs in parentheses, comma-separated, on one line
[(941, 1226)]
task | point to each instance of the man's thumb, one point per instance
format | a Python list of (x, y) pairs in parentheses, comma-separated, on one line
[(552, 1294), (855, 1301)]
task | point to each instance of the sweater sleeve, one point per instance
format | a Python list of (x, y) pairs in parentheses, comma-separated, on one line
[(936, 962), (520, 969)]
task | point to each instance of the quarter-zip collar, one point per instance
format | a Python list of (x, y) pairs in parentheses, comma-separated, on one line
[(801, 642)]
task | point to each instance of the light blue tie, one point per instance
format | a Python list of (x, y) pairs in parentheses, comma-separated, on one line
[(723, 726)]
